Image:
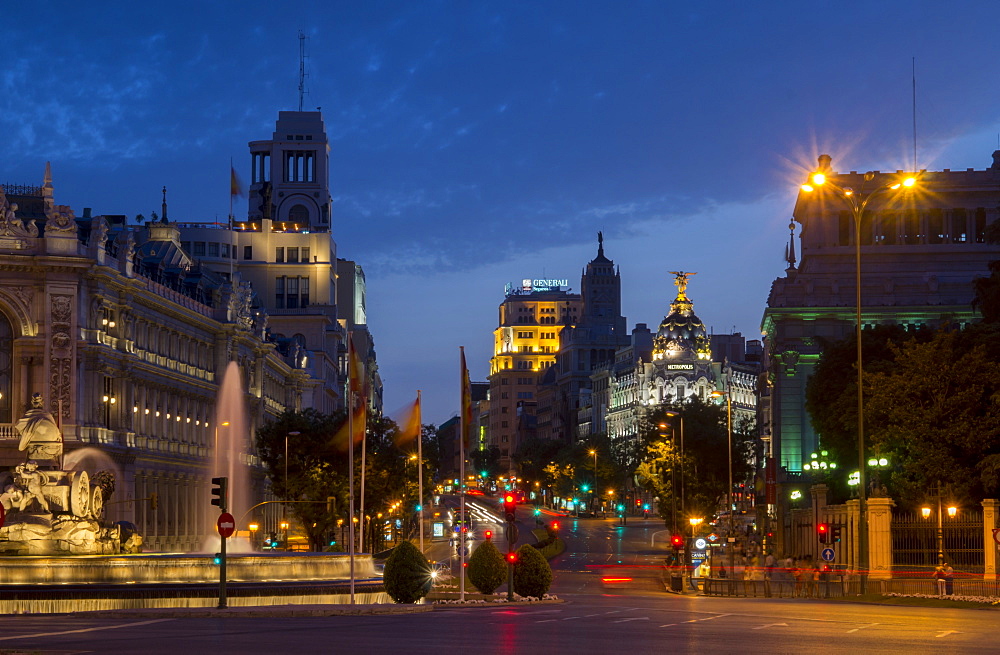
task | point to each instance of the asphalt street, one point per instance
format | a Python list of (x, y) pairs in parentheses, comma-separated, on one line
[(610, 582)]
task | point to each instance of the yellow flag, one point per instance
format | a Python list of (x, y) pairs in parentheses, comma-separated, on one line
[(409, 424)]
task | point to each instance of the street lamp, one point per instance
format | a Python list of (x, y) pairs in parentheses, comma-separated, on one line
[(695, 522), (926, 512), (680, 417), (673, 479), (857, 202), (593, 451), (729, 493)]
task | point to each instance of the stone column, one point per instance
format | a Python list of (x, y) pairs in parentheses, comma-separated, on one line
[(880, 538), (850, 556), (990, 510)]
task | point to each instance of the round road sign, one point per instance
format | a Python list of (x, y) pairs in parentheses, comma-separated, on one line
[(828, 554), (226, 525)]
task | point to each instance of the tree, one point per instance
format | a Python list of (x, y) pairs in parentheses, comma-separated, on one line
[(935, 413), (315, 471), (532, 573), (407, 574), (486, 460), (487, 567)]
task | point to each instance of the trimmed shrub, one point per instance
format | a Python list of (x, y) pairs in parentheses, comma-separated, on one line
[(487, 568), (407, 576), (532, 574)]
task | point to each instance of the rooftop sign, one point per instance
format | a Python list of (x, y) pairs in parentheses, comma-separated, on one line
[(530, 285)]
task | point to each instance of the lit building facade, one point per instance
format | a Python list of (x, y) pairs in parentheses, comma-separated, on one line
[(526, 343), (921, 250)]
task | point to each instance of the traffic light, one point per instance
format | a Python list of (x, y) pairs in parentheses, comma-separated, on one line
[(418, 507), (154, 500), (512, 558), (677, 541), (538, 512), (217, 560), (509, 505), (555, 525), (220, 493), (489, 535), (584, 488), (638, 502), (823, 530), (835, 534)]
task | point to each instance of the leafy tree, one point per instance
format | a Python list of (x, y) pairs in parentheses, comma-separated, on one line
[(486, 460), (534, 455), (935, 413), (987, 289), (832, 393), (315, 471), (407, 574), (487, 567), (532, 573)]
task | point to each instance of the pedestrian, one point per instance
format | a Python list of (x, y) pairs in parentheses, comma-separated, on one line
[(769, 563), (939, 579), (949, 579), (796, 572)]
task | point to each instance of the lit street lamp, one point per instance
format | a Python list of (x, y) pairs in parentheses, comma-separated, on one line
[(926, 512), (680, 418), (729, 492), (857, 202), (593, 452)]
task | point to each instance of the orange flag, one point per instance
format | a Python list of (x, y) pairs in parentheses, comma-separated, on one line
[(409, 424)]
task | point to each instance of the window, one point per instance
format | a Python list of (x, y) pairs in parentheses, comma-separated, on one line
[(225, 250), (292, 293), (279, 255), (199, 248), (504, 395), (305, 255), (980, 225), (213, 248), (298, 214), (293, 255), (503, 424), (303, 292), (959, 226), (524, 335), (300, 166), (503, 410), (247, 252), (279, 292), (503, 380), (525, 394)]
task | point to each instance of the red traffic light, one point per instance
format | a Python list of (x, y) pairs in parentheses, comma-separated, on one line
[(555, 525), (823, 528), (489, 534), (511, 557), (509, 505), (677, 541), (509, 498)]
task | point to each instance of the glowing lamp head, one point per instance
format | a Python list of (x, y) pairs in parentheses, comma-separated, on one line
[(909, 182), (817, 179), (925, 512), (952, 511)]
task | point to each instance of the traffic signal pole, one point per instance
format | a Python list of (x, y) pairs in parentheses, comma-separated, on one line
[(221, 493)]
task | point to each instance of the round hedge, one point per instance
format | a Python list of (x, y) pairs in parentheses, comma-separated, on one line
[(487, 568), (407, 576), (532, 574)]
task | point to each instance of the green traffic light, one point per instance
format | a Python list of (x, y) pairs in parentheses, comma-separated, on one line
[(537, 511), (585, 488), (419, 507)]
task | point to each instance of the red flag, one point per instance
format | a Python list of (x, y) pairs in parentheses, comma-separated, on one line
[(466, 426), (235, 188), (409, 424)]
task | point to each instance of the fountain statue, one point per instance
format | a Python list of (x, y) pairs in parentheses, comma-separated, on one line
[(51, 511)]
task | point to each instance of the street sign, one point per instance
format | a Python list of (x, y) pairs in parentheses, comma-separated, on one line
[(226, 525), (828, 554), (510, 533)]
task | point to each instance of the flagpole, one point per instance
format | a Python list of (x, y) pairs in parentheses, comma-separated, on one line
[(463, 434), (364, 447), (350, 468), (420, 474)]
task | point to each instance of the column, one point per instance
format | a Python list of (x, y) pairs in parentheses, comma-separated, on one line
[(851, 546), (880, 538), (990, 508)]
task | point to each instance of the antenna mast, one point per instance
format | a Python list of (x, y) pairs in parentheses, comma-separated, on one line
[(302, 67), (914, 65)]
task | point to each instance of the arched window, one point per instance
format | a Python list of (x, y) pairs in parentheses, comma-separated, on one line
[(298, 214)]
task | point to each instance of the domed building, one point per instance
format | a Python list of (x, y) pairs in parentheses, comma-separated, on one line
[(682, 357)]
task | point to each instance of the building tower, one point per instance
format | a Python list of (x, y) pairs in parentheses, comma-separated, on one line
[(526, 343)]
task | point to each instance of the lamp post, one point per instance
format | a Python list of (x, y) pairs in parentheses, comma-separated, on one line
[(695, 522), (729, 492), (680, 418), (284, 521), (593, 451), (673, 479), (926, 512), (857, 202)]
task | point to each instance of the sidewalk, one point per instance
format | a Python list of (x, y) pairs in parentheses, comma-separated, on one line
[(260, 611)]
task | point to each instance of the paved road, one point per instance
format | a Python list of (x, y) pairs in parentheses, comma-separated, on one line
[(636, 616), (584, 624)]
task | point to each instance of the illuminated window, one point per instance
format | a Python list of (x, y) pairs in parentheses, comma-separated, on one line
[(279, 255)]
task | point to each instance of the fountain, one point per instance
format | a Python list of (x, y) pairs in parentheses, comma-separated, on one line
[(68, 560)]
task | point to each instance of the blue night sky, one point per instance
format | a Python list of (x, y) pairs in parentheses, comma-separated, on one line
[(479, 143)]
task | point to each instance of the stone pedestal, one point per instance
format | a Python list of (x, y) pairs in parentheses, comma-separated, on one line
[(880, 538), (991, 508)]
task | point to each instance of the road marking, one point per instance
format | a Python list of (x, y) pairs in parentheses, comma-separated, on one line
[(667, 625), (870, 625), (770, 625), (570, 618), (638, 618), (70, 632), (718, 616), (546, 621), (947, 632)]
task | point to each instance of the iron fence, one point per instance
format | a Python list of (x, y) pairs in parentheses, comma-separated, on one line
[(915, 542)]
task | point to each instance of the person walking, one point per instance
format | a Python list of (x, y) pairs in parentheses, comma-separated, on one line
[(949, 579), (769, 563), (939, 580)]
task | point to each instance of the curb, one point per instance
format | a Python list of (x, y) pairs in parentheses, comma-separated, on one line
[(270, 611)]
